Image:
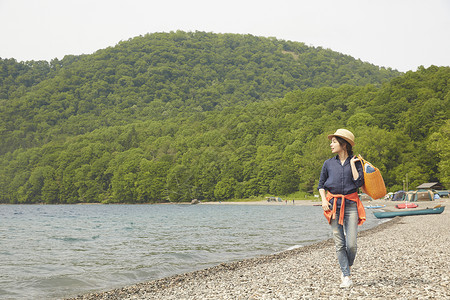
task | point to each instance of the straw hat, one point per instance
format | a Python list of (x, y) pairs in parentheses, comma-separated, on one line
[(345, 134)]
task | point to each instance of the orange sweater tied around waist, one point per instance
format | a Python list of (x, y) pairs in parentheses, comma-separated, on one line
[(331, 214)]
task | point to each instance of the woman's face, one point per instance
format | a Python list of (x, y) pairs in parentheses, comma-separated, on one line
[(335, 146)]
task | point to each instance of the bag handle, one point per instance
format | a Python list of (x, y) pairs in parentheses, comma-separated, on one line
[(363, 161)]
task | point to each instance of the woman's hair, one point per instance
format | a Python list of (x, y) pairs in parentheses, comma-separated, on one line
[(346, 145)]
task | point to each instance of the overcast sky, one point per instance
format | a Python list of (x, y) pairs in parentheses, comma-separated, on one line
[(401, 34)]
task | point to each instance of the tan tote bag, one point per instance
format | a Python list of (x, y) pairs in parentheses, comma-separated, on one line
[(373, 181)]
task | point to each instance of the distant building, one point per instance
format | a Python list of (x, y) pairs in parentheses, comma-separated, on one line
[(430, 186)]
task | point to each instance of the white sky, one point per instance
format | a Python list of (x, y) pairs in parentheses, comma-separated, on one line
[(401, 34)]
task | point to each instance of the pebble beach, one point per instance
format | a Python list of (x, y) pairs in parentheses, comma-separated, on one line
[(403, 258)]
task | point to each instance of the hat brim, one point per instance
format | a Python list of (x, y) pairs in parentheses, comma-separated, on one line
[(352, 143)]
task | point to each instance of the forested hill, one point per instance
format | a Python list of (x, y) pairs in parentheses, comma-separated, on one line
[(272, 147), (158, 76)]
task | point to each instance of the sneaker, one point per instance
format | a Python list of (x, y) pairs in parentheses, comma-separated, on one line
[(346, 282)]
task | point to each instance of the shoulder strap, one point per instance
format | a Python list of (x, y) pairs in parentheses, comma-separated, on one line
[(363, 161)]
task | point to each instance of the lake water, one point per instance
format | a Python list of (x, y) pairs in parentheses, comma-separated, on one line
[(56, 251)]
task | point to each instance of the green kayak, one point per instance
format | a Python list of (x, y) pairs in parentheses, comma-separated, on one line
[(412, 212)]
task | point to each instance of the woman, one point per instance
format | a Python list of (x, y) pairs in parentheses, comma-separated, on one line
[(340, 178)]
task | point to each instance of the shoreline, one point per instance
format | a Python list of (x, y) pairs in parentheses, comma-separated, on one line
[(250, 202), (392, 260), (262, 202)]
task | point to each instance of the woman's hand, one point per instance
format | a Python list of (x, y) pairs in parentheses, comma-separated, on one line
[(325, 205), (354, 159)]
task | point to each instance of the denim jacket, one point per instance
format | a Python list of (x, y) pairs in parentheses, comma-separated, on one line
[(338, 179)]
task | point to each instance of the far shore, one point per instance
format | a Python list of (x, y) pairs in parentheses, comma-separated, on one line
[(262, 202), (389, 204)]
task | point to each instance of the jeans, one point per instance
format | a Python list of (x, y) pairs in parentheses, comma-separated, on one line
[(345, 237)]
